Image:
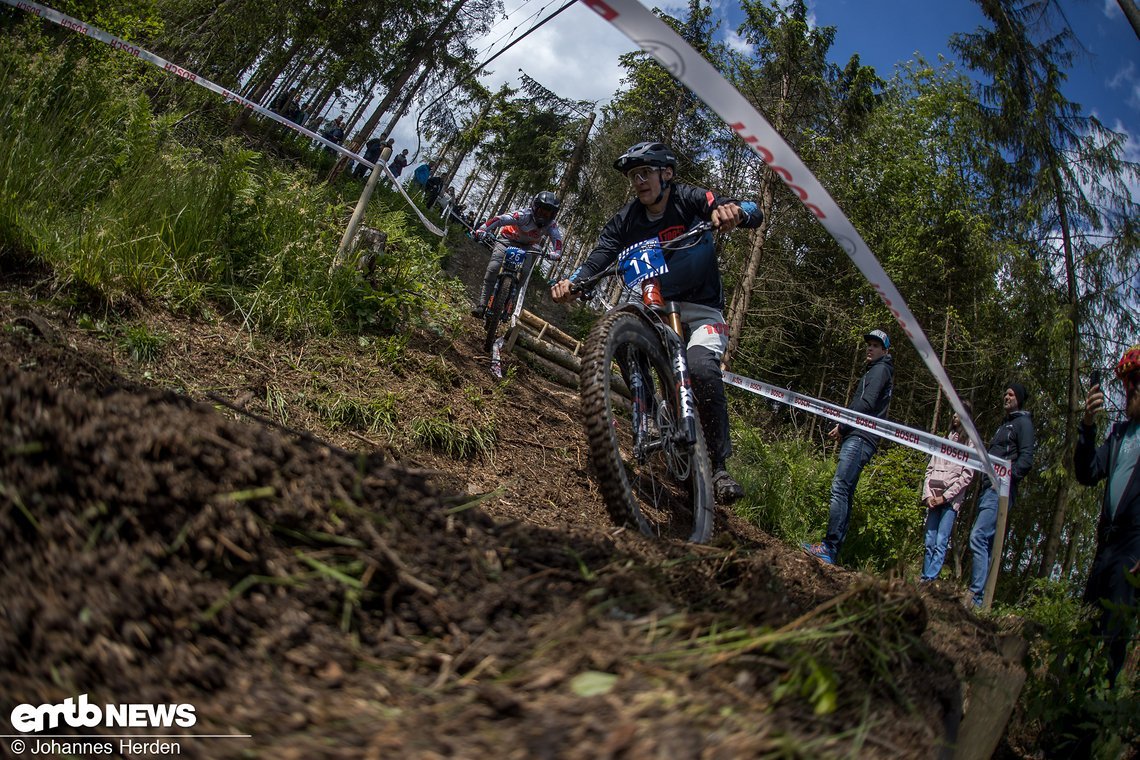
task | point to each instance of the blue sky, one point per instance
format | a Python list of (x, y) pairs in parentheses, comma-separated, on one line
[(576, 54), (1104, 79)]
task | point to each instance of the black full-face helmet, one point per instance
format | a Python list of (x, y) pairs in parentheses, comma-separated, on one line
[(654, 154), (544, 208)]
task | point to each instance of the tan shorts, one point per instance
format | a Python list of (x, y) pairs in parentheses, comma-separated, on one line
[(706, 327)]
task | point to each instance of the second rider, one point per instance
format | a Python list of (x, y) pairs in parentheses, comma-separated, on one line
[(664, 209), (524, 228)]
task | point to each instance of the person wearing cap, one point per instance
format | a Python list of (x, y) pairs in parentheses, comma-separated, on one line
[(872, 399), (664, 208), (1013, 440), (1117, 460)]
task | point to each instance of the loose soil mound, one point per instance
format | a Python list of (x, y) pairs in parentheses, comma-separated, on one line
[(354, 591)]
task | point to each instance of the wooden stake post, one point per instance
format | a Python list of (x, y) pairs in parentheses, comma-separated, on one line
[(999, 542)]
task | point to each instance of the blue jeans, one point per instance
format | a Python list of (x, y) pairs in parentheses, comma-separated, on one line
[(982, 542), (854, 453), (939, 525)]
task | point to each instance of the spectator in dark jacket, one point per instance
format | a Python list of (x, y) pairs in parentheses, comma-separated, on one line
[(872, 399), (1013, 441), (372, 150), (399, 162), (432, 189), (1118, 531), (334, 132)]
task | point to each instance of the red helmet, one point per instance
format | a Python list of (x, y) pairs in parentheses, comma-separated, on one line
[(1128, 363)]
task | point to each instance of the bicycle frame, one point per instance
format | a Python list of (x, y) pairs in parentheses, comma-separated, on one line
[(664, 317)]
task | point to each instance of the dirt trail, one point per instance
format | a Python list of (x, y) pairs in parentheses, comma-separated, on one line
[(354, 590)]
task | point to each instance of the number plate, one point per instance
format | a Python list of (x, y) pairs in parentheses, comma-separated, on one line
[(642, 261), (513, 258)]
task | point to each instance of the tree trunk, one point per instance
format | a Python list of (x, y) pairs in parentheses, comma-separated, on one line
[(1132, 13), (471, 130), (500, 206), (481, 214), (1073, 405), (467, 185), (1070, 552), (439, 35), (350, 123), (272, 71), (743, 294), (575, 164), (402, 108), (938, 394)]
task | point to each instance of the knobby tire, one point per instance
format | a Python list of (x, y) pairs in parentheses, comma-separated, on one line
[(672, 488), (504, 293)]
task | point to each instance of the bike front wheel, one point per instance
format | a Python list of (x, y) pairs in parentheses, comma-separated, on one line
[(498, 309), (646, 474)]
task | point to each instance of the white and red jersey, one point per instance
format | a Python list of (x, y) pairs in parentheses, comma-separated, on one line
[(520, 229)]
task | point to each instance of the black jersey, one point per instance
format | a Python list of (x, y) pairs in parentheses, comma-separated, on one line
[(693, 275)]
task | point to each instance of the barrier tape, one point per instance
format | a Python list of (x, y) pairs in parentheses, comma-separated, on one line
[(75, 25), (687, 66), (892, 431)]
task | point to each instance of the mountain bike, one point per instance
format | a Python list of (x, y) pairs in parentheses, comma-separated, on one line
[(640, 413), (506, 290)]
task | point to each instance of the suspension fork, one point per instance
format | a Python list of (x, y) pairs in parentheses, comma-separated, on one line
[(686, 399), (686, 431)]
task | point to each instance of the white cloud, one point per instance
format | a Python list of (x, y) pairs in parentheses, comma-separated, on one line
[(574, 55), (1131, 153), (1126, 79), (738, 44), (1112, 9)]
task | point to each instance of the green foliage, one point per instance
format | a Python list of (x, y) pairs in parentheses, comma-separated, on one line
[(887, 519), (141, 344), (582, 320), (810, 679), (787, 485), (132, 213), (376, 415), (439, 433), (1067, 696)]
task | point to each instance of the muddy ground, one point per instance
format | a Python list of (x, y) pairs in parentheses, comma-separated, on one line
[(351, 548)]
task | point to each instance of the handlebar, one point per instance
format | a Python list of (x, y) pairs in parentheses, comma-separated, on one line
[(583, 287)]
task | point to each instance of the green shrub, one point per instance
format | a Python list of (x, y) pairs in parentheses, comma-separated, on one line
[(787, 484), (142, 345), (887, 520), (99, 189), (1066, 698)]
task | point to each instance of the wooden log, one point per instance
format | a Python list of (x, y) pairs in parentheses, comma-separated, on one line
[(549, 351), (555, 372), (553, 356), (550, 332)]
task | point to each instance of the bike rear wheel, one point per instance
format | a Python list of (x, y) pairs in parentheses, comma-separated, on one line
[(499, 308), (645, 474)]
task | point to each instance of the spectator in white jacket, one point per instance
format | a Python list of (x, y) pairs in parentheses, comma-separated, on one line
[(943, 492)]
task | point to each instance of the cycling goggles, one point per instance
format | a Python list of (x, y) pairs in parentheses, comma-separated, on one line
[(641, 174)]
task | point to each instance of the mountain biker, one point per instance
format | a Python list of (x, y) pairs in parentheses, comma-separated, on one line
[(664, 209), (524, 228)]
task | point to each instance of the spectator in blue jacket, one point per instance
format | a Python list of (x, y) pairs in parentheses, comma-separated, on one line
[(1013, 441), (872, 399)]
